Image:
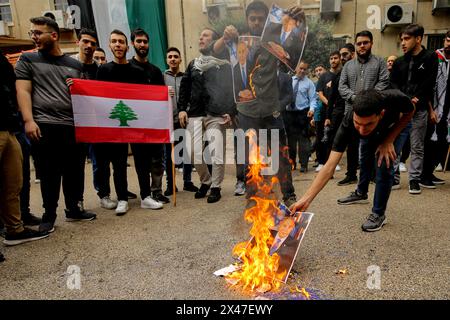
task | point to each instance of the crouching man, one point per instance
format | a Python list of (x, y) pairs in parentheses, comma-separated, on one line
[(378, 118)]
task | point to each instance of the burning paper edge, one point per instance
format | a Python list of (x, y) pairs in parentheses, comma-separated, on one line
[(226, 271)]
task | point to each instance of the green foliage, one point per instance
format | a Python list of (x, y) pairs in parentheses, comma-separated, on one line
[(238, 21), (319, 43), (123, 113)]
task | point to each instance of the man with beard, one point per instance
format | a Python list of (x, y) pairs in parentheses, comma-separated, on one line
[(211, 105), (46, 107), (415, 75), (363, 73), (148, 158), (119, 70), (264, 112)]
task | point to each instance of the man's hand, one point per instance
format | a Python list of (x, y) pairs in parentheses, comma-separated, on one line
[(386, 151), (171, 92), (226, 119), (32, 130), (310, 113), (312, 123), (297, 13), (415, 100), (300, 206), (230, 33), (183, 117), (327, 123), (433, 117)]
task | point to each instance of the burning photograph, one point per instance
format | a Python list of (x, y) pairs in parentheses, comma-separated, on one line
[(285, 35)]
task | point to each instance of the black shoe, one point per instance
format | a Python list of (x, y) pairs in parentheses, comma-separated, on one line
[(436, 180), (414, 187), (347, 181), (72, 216), (374, 222), (131, 195), (353, 198), (26, 235), (169, 191), (201, 193), (214, 195), (189, 186), (396, 185), (30, 219), (427, 184), (303, 169), (160, 198), (2, 257), (47, 227)]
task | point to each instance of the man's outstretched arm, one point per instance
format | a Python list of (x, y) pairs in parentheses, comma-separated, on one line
[(319, 182)]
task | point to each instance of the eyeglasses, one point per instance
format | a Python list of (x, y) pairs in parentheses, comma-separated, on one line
[(36, 33), (362, 43)]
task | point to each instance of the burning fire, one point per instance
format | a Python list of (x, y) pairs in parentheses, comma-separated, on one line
[(259, 270)]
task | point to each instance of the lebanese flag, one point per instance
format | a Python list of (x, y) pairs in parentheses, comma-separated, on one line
[(121, 113)]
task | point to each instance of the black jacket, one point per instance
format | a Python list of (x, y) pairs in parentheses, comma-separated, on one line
[(286, 90), (207, 93), (422, 79), (9, 117)]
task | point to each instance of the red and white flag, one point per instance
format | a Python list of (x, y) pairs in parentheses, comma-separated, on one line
[(121, 113)]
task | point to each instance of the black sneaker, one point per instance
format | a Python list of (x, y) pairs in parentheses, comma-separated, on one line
[(214, 195), (160, 198), (169, 191), (131, 195), (353, 198), (48, 227), (72, 216), (2, 257), (303, 169), (30, 219), (427, 184), (436, 180), (26, 235), (414, 187), (396, 185), (374, 222), (201, 193), (347, 181), (189, 186)]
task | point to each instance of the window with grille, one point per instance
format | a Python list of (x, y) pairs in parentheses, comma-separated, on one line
[(5, 11), (435, 41)]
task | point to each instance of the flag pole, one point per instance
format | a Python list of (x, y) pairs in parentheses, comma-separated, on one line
[(174, 186)]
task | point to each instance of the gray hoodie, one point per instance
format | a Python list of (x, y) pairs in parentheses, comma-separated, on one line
[(174, 81)]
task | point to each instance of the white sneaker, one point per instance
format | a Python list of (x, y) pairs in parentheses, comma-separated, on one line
[(107, 203), (439, 168), (403, 167), (150, 203), (338, 168), (122, 208), (319, 167)]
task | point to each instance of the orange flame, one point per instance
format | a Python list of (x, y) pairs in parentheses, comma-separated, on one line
[(259, 270)]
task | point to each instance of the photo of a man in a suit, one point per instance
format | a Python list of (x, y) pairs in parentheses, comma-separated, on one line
[(284, 36), (241, 74)]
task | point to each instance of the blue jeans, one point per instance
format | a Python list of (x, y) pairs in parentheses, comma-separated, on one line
[(384, 177)]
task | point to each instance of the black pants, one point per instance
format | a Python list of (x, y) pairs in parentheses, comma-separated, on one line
[(284, 173), (117, 154), (297, 129), (353, 157), (60, 159), (406, 151), (321, 148), (435, 152), (148, 161)]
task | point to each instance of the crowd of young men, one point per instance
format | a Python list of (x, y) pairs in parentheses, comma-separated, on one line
[(363, 104)]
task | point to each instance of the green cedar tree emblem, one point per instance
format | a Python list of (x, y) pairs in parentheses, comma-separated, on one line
[(123, 113)]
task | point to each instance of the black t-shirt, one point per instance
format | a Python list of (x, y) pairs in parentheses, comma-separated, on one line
[(9, 120), (322, 84), (154, 75), (394, 101), (90, 71), (124, 73)]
